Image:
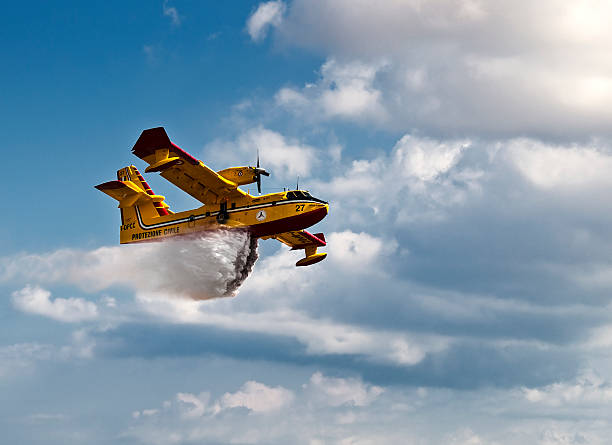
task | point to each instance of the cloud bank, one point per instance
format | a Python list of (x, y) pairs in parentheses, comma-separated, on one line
[(455, 67)]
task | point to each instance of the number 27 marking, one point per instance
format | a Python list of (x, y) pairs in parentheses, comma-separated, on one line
[(299, 207)]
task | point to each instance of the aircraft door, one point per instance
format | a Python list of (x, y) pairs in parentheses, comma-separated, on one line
[(223, 215)]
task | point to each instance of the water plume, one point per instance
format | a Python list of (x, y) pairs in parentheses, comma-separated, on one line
[(208, 265)]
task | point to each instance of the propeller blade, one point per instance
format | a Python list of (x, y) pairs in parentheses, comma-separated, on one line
[(257, 172)]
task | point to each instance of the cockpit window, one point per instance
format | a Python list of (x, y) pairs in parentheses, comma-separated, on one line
[(299, 194)]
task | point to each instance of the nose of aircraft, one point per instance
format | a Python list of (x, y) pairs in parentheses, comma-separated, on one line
[(319, 212)]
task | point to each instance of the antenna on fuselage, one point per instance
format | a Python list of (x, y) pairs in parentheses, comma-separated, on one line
[(297, 183)]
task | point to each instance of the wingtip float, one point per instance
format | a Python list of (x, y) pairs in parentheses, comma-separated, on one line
[(147, 217)]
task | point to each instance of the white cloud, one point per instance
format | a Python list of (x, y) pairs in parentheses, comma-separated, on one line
[(20, 357), (193, 406), (258, 398), (468, 66), (288, 415), (81, 346), (145, 412), (35, 300), (418, 180), (340, 391), (587, 389), (357, 251), (285, 158), (191, 264), (426, 159), (255, 396), (266, 15), (171, 11), (466, 437), (337, 410), (568, 168), (319, 336), (109, 301), (344, 90)]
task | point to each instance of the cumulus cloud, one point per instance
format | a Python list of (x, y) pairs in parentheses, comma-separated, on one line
[(566, 168), (419, 179), (285, 158), (155, 293), (461, 67), (193, 406), (268, 14), (201, 417), (318, 337), (587, 389), (415, 214), (358, 251), (258, 398), (254, 396), (408, 219), (340, 391), (344, 91), (329, 409), (36, 300)]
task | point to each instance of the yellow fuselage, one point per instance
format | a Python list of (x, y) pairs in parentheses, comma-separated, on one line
[(263, 216)]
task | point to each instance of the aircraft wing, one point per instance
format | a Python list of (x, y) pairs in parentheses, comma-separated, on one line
[(301, 239), (181, 169)]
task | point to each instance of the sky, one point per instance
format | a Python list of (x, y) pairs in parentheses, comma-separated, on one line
[(465, 148)]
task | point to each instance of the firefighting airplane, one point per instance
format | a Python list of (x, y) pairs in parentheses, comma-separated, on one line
[(146, 216)]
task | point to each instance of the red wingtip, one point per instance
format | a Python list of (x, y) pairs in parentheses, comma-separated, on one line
[(156, 138), (321, 237)]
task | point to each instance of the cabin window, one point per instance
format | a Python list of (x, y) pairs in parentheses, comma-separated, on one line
[(233, 205)]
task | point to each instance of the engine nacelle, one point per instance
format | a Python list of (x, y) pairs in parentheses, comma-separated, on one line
[(239, 175)]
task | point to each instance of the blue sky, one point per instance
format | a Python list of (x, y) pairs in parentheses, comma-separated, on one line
[(465, 149)]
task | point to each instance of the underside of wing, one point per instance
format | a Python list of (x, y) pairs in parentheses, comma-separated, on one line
[(301, 239), (181, 169)]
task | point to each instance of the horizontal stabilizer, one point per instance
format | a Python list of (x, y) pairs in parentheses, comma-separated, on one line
[(127, 193)]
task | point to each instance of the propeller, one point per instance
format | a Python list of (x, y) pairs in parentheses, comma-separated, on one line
[(258, 172)]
